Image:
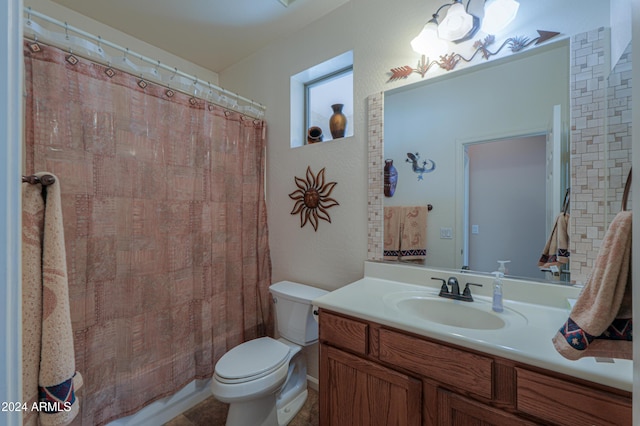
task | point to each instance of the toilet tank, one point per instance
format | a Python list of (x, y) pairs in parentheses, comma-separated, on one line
[(294, 313)]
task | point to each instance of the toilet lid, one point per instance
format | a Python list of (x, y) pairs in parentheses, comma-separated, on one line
[(256, 357)]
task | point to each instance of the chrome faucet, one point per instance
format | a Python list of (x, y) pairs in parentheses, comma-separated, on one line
[(455, 289)]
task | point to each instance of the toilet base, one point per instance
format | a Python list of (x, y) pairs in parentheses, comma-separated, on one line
[(289, 411), (256, 412)]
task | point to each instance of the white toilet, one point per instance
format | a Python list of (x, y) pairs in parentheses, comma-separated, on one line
[(265, 380)]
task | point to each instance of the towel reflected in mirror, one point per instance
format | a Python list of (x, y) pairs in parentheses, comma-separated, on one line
[(405, 233)]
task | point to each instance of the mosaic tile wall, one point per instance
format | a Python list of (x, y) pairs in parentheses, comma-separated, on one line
[(588, 87), (619, 131), (600, 144), (375, 107)]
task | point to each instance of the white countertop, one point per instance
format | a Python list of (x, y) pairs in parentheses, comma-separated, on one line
[(529, 343)]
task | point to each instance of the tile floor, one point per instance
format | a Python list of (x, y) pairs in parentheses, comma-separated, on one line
[(211, 412)]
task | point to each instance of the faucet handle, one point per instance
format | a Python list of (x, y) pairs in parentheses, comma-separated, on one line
[(467, 290), (443, 289)]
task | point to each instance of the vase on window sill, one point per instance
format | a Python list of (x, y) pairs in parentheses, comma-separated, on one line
[(314, 134), (337, 121)]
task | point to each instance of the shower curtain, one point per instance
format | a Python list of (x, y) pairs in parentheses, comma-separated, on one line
[(165, 226)]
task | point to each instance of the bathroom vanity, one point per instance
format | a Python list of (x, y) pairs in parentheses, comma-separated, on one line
[(390, 355)]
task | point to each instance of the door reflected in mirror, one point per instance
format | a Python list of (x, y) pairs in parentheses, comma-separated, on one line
[(504, 204)]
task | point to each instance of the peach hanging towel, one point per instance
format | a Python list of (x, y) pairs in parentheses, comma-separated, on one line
[(392, 229), (413, 245), (49, 376), (600, 323), (405, 232)]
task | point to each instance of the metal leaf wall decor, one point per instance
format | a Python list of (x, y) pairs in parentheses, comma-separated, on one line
[(312, 198), (449, 61)]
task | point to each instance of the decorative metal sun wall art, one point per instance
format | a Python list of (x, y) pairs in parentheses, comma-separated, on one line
[(449, 61), (312, 198)]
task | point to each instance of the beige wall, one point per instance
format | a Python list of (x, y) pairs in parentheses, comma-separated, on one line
[(379, 32)]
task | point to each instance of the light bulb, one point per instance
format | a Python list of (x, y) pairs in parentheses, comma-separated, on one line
[(456, 24), (428, 43), (498, 14)]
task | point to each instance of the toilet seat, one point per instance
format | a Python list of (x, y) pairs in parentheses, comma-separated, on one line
[(251, 360)]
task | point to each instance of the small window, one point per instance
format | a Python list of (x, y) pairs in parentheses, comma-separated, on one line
[(314, 92), (322, 94)]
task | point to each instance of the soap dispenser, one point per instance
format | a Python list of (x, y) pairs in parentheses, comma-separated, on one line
[(502, 268), (497, 292)]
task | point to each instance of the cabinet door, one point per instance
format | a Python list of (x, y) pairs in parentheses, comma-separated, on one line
[(358, 392), (455, 410), (563, 402)]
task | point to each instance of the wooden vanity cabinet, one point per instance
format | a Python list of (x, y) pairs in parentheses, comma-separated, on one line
[(357, 391), (363, 393), (455, 410), (375, 375)]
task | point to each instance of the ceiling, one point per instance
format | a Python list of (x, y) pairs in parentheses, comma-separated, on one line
[(214, 34)]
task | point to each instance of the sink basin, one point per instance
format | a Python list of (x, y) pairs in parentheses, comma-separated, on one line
[(423, 306)]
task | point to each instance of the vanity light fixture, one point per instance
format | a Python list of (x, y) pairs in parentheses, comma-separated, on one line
[(448, 61), (459, 25)]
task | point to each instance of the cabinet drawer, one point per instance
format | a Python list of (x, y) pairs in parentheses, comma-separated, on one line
[(466, 371), (343, 332), (566, 403)]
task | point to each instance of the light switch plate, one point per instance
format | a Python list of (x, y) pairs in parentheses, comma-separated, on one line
[(446, 233)]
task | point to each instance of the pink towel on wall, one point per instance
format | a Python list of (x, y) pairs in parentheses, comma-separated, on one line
[(600, 323)]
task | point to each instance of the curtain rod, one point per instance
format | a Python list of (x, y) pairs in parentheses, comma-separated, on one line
[(254, 107)]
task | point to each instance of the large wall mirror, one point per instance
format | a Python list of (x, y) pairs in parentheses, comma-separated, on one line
[(500, 137), (486, 130)]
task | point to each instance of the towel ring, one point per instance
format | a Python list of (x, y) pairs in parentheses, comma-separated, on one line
[(625, 194)]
